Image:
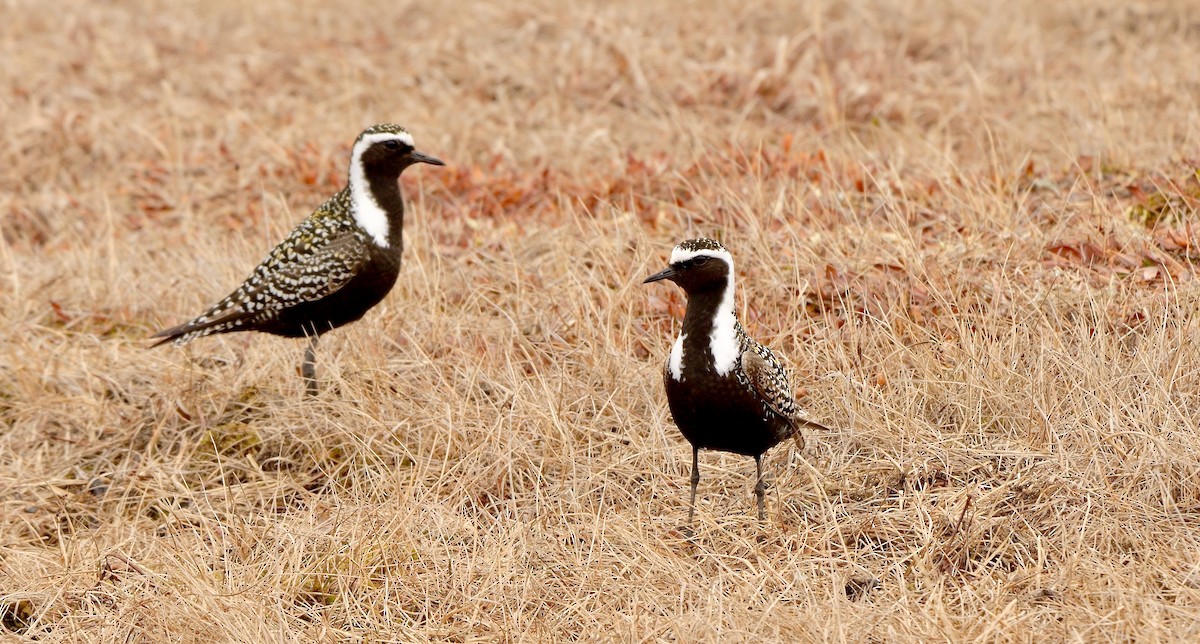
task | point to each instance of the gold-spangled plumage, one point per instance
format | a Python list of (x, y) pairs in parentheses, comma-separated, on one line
[(769, 381), (335, 265), (316, 259), (319, 257)]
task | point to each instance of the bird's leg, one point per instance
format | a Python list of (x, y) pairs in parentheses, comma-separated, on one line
[(309, 368), (760, 488), (695, 482)]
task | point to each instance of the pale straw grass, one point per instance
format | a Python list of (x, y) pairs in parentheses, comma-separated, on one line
[(490, 457)]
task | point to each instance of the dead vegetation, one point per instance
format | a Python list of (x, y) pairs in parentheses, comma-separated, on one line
[(972, 229)]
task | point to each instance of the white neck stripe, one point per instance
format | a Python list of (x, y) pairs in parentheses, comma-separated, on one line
[(722, 340), (367, 212)]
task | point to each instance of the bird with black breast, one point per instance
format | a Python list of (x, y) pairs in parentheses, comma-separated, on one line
[(726, 392)]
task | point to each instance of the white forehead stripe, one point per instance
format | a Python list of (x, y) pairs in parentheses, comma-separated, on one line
[(371, 139), (367, 213), (679, 254)]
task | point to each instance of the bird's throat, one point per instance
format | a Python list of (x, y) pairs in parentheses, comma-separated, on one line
[(377, 204), (710, 330)]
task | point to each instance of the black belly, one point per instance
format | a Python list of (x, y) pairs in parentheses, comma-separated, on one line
[(721, 414), (346, 305)]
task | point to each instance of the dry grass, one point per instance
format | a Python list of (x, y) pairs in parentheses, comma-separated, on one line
[(969, 228)]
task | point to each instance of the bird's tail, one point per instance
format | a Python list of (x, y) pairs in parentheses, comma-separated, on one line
[(204, 325), (800, 421), (799, 424), (177, 334)]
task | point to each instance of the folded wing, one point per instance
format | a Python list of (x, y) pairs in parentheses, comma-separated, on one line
[(311, 264)]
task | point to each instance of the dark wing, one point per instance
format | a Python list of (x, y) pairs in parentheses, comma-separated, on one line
[(314, 262), (770, 381)]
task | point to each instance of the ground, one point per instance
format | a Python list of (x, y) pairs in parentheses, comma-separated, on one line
[(970, 228)]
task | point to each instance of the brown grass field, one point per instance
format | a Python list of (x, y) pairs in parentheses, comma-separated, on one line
[(972, 229)]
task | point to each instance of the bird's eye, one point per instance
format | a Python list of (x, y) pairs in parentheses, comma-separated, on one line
[(700, 261), (392, 144)]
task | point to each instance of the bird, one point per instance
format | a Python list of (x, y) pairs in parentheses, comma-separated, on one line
[(334, 266), (726, 392)]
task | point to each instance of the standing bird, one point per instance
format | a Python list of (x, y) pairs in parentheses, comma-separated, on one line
[(335, 265), (726, 391)]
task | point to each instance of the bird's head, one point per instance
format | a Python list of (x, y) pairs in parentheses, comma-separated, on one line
[(387, 149), (697, 266)]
